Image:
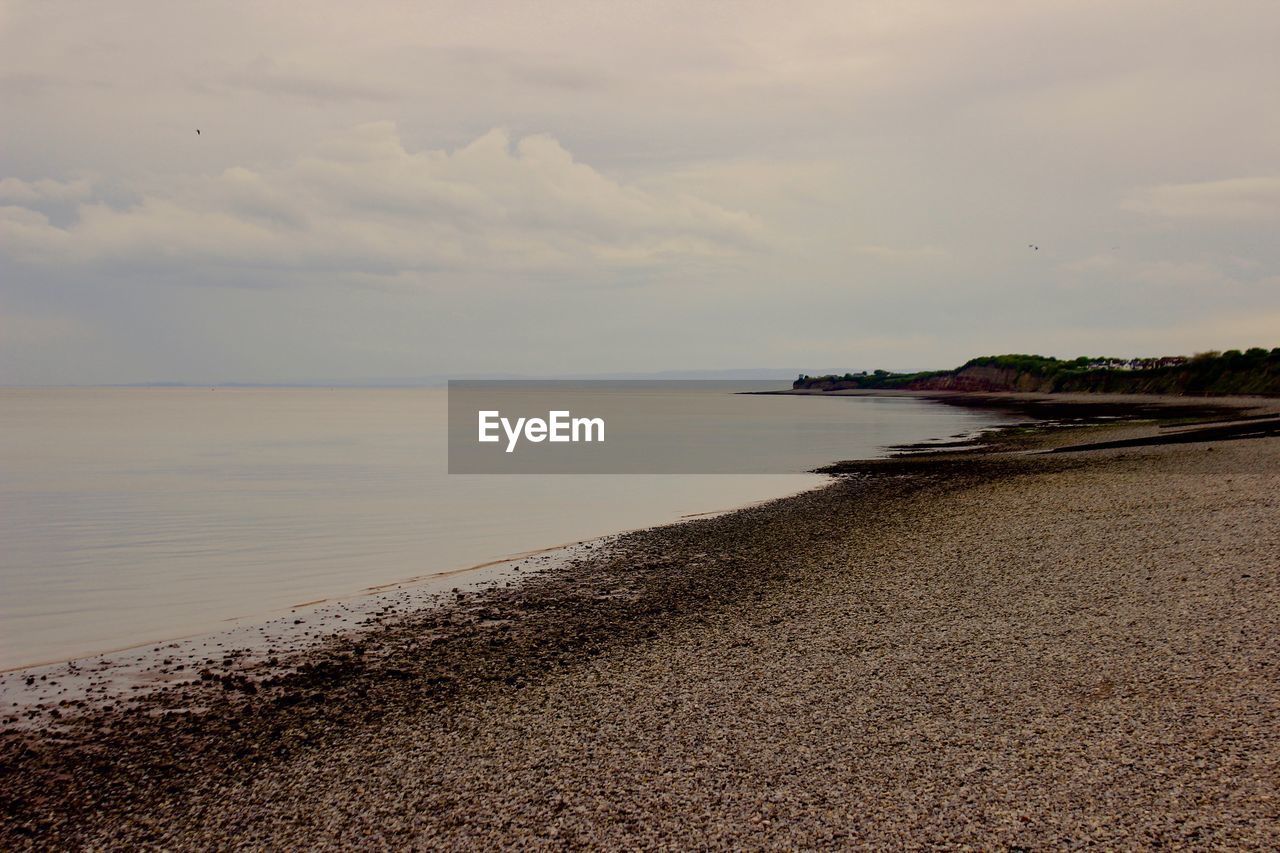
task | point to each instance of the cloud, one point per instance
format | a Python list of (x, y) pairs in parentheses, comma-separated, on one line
[(361, 204), (859, 168), (265, 76), (44, 190), (1243, 199)]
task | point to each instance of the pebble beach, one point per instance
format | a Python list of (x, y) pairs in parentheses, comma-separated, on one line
[(1001, 649)]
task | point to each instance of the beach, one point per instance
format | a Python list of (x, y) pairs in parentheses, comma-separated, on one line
[(1000, 648), (497, 426)]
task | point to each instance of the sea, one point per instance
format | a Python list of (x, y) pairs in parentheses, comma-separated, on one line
[(134, 515)]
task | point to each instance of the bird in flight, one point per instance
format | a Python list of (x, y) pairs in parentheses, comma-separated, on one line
[(197, 131), (1030, 246)]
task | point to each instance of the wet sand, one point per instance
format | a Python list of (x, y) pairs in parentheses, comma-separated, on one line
[(1002, 648)]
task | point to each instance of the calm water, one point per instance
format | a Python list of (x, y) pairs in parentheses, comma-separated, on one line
[(132, 515)]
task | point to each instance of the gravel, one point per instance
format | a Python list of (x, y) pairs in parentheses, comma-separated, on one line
[(989, 650)]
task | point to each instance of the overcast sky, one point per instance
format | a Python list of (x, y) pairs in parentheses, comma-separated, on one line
[(398, 190)]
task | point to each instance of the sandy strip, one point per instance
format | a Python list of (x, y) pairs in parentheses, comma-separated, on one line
[(1012, 649)]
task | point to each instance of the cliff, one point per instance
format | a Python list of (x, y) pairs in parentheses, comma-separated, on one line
[(1252, 372)]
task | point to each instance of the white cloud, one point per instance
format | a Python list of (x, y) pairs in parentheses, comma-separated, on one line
[(46, 189), (361, 203), (1253, 198)]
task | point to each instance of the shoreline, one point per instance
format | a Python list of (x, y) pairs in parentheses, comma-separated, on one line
[(106, 677), (239, 726), (420, 584), (1036, 401), (425, 588)]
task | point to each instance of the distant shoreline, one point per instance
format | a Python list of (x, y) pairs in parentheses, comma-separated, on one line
[(1255, 371)]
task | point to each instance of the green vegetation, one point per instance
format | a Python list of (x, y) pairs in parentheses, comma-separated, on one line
[(875, 379), (1255, 371)]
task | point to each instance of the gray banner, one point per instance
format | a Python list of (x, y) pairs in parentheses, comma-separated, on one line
[(674, 427)]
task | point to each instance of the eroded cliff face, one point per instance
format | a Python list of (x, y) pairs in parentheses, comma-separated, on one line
[(983, 378), (974, 378), (1253, 372)]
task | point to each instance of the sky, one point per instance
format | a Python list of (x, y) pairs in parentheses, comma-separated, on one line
[(395, 190)]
